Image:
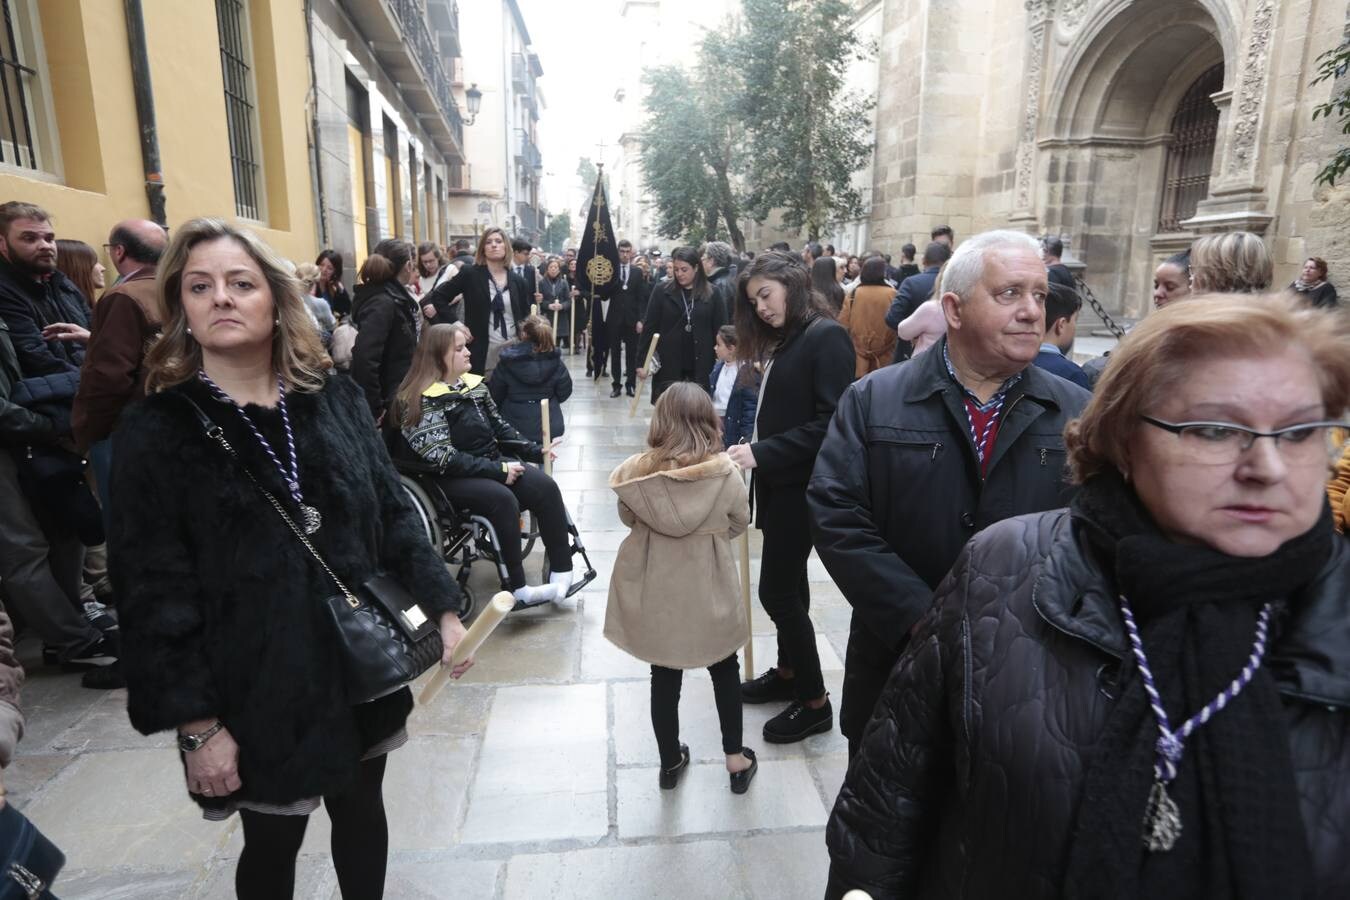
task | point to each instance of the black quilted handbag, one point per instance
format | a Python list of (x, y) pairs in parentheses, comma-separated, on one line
[(384, 638), (28, 861)]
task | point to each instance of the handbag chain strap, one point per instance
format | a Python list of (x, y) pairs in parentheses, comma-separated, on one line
[(216, 433)]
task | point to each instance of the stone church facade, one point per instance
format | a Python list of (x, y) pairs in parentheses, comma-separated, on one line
[(1128, 127)]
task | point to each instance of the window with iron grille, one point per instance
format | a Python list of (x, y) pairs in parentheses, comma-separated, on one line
[(1195, 126), (241, 111), (27, 132)]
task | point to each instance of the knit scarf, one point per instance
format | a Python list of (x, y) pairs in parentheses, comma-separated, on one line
[(1242, 833), (1304, 287)]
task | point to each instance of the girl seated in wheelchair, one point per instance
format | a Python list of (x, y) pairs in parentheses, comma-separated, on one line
[(448, 417)]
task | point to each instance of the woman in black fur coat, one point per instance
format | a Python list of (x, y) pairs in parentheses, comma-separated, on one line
[(225, 637)]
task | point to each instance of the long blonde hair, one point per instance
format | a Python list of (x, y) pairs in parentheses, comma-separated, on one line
[(685, 429), (428, 367), (297, 351)]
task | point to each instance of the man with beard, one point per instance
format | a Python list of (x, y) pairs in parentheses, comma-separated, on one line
[(44, 310)]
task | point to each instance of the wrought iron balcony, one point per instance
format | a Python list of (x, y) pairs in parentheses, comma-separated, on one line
[(398, 32)]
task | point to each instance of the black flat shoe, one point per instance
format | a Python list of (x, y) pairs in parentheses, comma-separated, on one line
[(798, 722), (614, 392), (740, 781), (671, 777), (767, 688)]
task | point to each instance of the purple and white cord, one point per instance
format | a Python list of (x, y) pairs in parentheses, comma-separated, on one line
[(1171, 744), (289, 475)]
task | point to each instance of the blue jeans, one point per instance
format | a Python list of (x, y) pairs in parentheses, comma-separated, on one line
[(100, 463)]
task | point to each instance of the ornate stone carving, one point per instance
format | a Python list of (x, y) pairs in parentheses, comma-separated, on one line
[(1038, 12), (1246, 113), (1071, 13)]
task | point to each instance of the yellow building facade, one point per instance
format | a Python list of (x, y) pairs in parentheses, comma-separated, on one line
[(72, 143)]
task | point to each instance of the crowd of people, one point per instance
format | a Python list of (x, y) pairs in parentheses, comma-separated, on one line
[(1098, 635)]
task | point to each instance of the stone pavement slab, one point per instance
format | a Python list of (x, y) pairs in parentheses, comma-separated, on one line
[(781, 796), (705, 869), (542, 771)]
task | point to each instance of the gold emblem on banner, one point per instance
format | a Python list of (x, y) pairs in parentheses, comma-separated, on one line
[(600, 234), (599, 270)]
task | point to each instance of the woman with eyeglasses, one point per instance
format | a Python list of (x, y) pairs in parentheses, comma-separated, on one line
[(1146, 694)]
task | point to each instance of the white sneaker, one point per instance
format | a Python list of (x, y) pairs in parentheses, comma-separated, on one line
[(532, 595)]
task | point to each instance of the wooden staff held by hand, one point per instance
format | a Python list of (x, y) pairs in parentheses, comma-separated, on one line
[(642, 373), (478, 632)]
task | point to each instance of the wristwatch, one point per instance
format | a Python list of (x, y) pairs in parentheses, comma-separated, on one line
[(190, 742)]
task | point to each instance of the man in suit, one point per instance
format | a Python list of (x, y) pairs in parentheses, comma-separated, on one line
[(520, 253), (627, 309), (914, 290)]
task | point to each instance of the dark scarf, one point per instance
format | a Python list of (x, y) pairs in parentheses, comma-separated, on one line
[(498, 302), (1242, 833)]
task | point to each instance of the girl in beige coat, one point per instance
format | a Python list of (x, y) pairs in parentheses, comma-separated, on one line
[(674, 596)]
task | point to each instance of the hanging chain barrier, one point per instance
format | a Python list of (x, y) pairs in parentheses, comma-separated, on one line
[(1086, 293)]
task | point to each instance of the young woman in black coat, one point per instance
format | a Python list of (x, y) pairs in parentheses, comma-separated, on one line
[(687, 313), (330, 285), (496, 300), (387, 319), (221, 606), (808, 363), (529, 373), (557, 293)]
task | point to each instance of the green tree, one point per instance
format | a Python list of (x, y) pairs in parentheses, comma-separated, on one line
[(803, 127), (587, 171), (558, 230), (1331, 66), (688, 152)]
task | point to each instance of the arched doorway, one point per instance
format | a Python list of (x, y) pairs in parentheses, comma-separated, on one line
[(1120, 177), (1190, 158)]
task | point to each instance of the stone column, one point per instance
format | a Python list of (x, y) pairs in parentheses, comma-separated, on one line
[(1237, 195), (1024, 189)]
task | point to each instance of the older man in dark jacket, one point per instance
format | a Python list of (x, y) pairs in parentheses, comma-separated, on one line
[(920, 457)]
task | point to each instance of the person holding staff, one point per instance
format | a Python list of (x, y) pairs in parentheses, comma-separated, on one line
[(220, 605), (808, 363), (687, 313), (557, 300), (496, 299)]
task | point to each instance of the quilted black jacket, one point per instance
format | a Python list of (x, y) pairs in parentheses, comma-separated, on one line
[(463, 434), (970, 770)]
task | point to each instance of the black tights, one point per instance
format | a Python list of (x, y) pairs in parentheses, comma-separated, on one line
[(360, 843), (726, 679)]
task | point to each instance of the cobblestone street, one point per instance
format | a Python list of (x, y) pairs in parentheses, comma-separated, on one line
[(534, 777)]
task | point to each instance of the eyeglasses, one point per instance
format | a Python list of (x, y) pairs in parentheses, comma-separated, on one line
[(1223, 443)]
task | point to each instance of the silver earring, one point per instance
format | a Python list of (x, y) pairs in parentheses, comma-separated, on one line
[(189, 331)]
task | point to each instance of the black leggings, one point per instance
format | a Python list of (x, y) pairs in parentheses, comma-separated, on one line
[(784, 591), (501, 504), (360, 843), (666, 683)]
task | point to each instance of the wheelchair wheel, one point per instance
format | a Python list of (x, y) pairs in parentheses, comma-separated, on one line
[(469, 608), (426, 512), (529, 532)]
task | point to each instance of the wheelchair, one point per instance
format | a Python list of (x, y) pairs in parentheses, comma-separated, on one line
[(463, 538)]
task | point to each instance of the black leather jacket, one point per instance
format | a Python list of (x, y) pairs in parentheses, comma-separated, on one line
[(970, 772), (462, 433), (19, 425)]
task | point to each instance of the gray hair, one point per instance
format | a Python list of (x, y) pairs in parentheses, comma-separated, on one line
[(966, 267), (719, 252)]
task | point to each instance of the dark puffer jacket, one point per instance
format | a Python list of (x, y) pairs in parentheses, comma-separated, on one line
[(970, 772), (463, 434), (221, 606), (522, 380)]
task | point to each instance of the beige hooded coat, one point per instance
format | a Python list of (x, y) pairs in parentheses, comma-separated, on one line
[(675, 596)]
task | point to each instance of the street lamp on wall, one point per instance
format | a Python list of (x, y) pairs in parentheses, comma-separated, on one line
[(473, 97)]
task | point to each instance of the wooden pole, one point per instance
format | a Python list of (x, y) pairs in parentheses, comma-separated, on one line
[(749, 607), (483, 626), (572, 332), (534, 309), (555, 326), (544, 414), (637, 395)]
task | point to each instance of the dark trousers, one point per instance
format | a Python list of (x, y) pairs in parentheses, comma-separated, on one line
[(867, 668), (501, 504), (783, 589), (40, 571), (360, 843), (666, 683), (623, 348)]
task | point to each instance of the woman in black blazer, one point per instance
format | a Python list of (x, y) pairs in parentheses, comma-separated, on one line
[(808, 363), (496, 300), (687, 313)]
